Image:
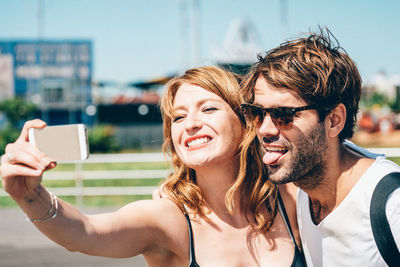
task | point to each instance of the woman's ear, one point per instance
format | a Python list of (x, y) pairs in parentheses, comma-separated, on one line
[(335, 120)]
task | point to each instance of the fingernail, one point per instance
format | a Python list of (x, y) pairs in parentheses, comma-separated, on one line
[(45, 162)]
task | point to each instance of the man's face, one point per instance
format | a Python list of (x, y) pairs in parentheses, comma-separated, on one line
[(295, 153)]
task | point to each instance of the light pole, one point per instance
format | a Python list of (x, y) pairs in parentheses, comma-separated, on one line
[(183, 44), (196, 52), (40, 34), (283, 19)]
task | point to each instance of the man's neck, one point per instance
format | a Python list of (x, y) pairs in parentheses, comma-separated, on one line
[(339, 178)]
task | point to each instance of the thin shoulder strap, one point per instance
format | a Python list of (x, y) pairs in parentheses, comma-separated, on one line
[(282, 210), (379, 223), (192, 256)]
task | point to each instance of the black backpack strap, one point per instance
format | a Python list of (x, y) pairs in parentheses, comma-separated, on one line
[(379, 223)]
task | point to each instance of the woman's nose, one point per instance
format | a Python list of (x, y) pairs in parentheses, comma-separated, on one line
[(193, 122)]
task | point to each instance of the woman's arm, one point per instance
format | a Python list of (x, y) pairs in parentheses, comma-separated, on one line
[(127, 232)]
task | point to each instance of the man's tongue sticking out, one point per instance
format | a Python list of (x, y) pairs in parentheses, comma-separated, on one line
[(271, 157)]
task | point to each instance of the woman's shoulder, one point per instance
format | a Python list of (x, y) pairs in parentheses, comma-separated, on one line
[(159, 211), (165, 225)]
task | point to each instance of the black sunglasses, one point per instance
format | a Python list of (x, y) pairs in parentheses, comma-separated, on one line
[(282, 117)]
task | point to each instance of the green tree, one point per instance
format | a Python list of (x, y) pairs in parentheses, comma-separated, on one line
[(16, 112), (102, 139), (378, 99)]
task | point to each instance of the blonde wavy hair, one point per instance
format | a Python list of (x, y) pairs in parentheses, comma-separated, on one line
[(257, 194)]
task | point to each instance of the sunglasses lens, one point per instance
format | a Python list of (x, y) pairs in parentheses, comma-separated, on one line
[(258, 116), (282, 117), (254, 115)]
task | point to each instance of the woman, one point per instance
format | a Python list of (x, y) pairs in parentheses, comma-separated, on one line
[(220, 208)]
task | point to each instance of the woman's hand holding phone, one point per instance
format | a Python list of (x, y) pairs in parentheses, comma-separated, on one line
[(23, 164)]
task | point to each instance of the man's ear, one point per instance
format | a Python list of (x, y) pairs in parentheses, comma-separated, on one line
[(335, 120)]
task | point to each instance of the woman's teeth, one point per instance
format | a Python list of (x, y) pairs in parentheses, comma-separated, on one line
[(198, 141)]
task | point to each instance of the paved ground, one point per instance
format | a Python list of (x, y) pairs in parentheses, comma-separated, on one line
[(21, 244)]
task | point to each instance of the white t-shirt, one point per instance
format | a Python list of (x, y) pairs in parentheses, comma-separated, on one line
[(344, 237)]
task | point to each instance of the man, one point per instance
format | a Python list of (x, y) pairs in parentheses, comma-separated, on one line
[(304, 98)]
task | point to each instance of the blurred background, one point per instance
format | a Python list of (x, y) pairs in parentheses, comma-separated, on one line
[(105, 64)]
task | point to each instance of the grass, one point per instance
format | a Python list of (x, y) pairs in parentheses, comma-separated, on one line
[(92, 201), (102, 182), (123, 182), (396, 160), (115, 166), (105, 201), (7, 202)]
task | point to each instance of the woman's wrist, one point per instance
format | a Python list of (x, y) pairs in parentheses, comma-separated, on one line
[(37, 203), (34, 195), (29, 196), (51, 213)]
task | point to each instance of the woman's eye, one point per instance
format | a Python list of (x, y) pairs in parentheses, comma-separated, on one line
[(177, 118), (208, 109)]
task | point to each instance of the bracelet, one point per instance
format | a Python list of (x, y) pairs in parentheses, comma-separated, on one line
[(51, 214)]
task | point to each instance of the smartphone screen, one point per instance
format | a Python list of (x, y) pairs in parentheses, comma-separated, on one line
[(62, 142)]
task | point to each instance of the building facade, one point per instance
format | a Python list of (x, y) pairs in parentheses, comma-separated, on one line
[(56, 75)]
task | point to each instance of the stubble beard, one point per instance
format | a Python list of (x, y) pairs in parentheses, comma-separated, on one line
[(306, 167)]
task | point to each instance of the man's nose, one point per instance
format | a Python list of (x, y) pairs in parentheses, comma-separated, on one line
[(268, 127)]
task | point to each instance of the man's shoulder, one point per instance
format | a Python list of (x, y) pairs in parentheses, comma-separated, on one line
[(386, 166), (361, 151), (373, 162)]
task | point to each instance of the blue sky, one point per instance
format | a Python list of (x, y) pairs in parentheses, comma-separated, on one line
[(136, 40)]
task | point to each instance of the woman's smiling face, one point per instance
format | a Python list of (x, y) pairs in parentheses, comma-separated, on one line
[(204, 128)]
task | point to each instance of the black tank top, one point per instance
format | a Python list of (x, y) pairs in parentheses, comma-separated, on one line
[(298, 260), (192, 257)]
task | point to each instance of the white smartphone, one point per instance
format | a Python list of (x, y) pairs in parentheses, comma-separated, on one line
[(61, 142)]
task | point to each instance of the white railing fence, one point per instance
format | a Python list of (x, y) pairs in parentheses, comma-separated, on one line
[(79, 174)]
